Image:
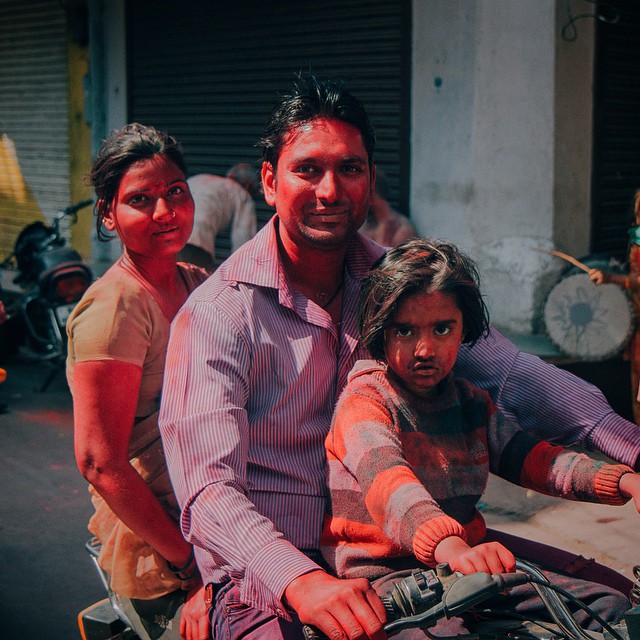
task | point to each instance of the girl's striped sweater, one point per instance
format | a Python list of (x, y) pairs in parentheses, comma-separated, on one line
[(406, 472)]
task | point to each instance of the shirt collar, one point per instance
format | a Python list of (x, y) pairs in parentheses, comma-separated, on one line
[(257, 262)]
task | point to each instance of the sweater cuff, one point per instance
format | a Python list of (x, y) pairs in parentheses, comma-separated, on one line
[(430, 534), (607, 484)]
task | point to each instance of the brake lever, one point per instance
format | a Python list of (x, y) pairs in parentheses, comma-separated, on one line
[(422, 620)]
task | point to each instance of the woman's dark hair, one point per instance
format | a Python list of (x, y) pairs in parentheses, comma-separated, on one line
[(309, 99), (422, 265), (124, 147)]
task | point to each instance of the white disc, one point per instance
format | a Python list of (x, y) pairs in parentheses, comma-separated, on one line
[(587, 321)]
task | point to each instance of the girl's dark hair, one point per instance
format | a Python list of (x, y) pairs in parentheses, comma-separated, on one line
[(422, 265), (124, 147), (309, 99)]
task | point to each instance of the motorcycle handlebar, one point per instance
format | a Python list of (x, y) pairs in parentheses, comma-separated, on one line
[(454, 598), (76, 207)]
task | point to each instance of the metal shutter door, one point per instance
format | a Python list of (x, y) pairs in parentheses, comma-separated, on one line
[(33, 119), (616, 166)]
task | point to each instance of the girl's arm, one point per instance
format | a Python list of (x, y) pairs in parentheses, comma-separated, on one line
[(551, 469), (630, 487), (364, 444)]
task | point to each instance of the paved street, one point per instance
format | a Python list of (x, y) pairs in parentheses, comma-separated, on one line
[(46, 577)]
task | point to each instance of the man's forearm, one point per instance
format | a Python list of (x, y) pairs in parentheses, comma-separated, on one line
[(548, 402), (245, 545)]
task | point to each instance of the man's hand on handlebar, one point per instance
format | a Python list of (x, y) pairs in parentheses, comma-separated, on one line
[(488, 557), (339, 608)]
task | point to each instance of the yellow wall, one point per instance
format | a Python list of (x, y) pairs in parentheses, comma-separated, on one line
[(79, 147), (18, 207)]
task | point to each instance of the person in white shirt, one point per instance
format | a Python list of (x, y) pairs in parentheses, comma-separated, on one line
[(221, 202)]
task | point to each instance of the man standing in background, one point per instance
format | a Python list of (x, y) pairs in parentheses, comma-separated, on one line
[(221, 202), (384, 224)]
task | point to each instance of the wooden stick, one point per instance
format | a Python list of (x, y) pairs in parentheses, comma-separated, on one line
[(567, 257)]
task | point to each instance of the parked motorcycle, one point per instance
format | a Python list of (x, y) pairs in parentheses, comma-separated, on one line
[(40, 284)]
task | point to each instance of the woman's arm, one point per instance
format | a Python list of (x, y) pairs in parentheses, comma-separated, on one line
[(105, 399)]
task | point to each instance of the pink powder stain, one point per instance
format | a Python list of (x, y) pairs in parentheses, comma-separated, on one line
[(50, 417)]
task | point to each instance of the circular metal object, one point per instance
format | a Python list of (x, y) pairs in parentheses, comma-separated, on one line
[(587, 321)]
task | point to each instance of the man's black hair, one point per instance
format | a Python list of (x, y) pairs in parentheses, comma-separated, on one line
[(309, 99)]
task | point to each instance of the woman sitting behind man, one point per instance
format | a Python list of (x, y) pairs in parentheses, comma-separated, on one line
[(118, 337)]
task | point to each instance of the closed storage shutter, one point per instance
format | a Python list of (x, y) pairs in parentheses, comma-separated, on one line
[(210, 73), (34, 175), (616, 167)]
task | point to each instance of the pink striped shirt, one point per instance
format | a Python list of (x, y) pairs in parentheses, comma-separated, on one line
[(252, 375)]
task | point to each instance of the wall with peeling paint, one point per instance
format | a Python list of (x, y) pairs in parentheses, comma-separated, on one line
[(498, 153)]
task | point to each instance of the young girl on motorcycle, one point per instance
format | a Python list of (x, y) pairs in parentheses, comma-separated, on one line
[(118, 336), (410, 446)]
